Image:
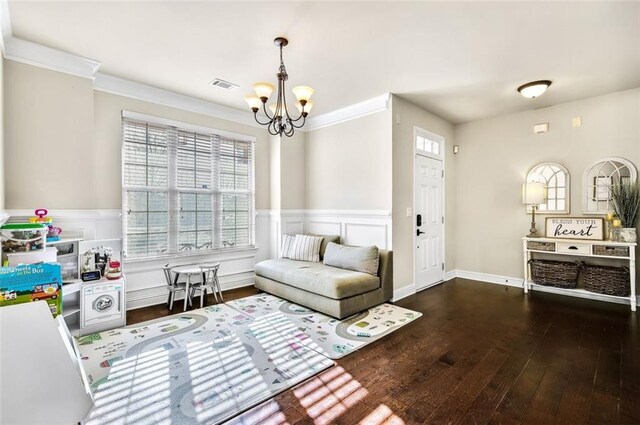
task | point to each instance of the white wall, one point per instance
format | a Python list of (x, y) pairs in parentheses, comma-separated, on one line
[(349, 165), (406, 116), (63, 152), (293, 171), (495, 155), (49, 147)]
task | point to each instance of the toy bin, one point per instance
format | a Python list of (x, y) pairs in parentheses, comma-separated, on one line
[(22, 237)]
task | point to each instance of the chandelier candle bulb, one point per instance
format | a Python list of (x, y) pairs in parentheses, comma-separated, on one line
[(304, 109), (263, 90), (302, 93), (254, 102)]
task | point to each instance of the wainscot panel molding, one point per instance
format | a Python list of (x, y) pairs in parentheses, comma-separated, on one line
[(41, 56), (146, 284), (88, 224), (357, 110), (355, 227), (145, 281)]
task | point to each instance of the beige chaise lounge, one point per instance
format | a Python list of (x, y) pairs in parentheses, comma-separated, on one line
[(330, 290)]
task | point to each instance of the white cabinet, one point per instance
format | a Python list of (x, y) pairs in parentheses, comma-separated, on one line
[(589, 249)]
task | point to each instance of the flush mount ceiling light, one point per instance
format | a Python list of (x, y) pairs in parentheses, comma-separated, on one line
[(280, 122), (534, 88)]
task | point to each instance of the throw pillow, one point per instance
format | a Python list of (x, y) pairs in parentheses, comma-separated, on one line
[(287, 241), (363, 259), (306, 248)]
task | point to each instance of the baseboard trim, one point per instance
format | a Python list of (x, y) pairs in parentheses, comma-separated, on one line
[(403, 292), (490, 278), (518, 283)]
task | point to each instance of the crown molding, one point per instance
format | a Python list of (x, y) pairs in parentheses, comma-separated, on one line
[(357, 110), (5, 24), (35, 54), (56, 60), (127, 88)]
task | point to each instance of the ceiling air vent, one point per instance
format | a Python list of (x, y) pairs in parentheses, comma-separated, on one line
[(223, 84)]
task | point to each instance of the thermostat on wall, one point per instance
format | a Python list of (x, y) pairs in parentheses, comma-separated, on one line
[(541, 128)]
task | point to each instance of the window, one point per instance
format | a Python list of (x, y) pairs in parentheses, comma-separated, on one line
[(428, 144), (557, 180), (185, 189)]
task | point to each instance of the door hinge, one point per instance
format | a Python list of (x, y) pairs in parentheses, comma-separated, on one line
[(442, 173), (442, 266), (442, 219)]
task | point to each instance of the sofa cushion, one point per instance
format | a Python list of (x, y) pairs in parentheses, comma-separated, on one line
[(305, 248), (326, 239), (287, 241), (317, 278), (363, 259)]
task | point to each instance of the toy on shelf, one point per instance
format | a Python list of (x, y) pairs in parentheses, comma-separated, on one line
[(113, 270), (53, 233), (22, 237)]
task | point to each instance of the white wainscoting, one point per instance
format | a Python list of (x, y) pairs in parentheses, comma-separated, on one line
[(355, 227), (145, 281)]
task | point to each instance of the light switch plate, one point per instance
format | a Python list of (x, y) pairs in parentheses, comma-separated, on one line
[(409, 212)]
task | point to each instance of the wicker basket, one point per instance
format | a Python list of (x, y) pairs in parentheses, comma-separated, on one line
[(606, 280), (561, 274), (611, 251), (541, 246)]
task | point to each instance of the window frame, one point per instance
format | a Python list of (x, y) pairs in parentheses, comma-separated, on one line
[(174, 191)]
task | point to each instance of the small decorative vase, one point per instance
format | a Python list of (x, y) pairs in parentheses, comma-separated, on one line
[(628, 234)]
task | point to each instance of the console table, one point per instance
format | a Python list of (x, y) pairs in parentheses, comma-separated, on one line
[(581, 248)]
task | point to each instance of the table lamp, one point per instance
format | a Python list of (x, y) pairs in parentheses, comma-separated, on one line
[(533, 194)]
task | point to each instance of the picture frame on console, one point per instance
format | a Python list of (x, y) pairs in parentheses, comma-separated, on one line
[(588, 228)]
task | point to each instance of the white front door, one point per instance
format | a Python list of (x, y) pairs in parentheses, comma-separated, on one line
[(428, 222)]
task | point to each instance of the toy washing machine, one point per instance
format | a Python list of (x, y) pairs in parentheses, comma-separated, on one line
[(102, 306)]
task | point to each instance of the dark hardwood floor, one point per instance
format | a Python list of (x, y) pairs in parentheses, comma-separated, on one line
[(481, 354)]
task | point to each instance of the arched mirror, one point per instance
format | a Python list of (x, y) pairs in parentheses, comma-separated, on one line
[(558, 182), (598, 179)]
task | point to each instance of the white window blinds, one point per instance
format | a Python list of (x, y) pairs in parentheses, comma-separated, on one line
[(185, 190)]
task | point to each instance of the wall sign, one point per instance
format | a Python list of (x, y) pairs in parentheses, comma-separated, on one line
[(575, 228)]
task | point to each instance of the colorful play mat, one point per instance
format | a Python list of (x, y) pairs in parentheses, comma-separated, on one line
[(207, 365)]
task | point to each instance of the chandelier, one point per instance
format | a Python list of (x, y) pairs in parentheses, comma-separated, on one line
[(280, 122)]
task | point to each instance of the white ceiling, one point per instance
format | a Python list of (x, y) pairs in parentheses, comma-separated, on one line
[(462, 61)]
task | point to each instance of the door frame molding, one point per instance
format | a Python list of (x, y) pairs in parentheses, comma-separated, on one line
[(440, 158)]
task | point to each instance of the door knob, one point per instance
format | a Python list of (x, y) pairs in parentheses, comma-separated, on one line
[(419, 232)]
